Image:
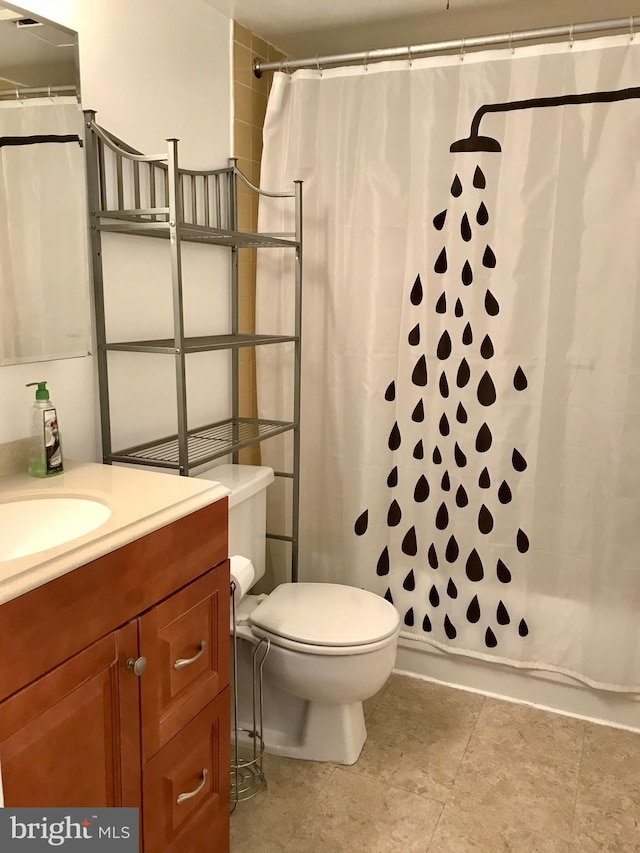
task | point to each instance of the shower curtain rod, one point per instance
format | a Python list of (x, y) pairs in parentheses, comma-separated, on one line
[(415, 51), (36, 91)]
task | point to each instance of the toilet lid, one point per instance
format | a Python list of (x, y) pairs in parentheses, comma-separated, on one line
[(326, 614)]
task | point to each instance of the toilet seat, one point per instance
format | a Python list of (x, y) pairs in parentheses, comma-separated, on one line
[(327, 619)]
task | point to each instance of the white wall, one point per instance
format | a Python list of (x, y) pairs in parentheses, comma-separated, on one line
[(151, 71)]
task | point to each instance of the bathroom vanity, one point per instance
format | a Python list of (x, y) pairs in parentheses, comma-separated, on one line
[(114, 671)]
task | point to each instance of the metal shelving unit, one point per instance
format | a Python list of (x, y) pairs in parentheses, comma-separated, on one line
[(152, 196)]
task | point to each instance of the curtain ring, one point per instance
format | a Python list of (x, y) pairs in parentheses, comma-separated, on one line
[(409, 55), (571, 37), (462, 50), (318, 65), (366, 60), (511, 47), (631, 30)]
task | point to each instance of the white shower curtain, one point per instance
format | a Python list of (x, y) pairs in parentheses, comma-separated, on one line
[(44, 271), (471, 347)]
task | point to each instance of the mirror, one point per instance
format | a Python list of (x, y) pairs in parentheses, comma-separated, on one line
[(44, 273)]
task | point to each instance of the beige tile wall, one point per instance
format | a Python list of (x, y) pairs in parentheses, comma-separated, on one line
[(250, 102)]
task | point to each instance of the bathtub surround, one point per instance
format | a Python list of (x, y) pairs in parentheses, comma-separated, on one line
[(471, 398)]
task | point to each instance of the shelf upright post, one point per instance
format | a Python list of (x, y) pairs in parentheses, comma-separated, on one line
[(297, 379), (175, 217), (235, 310), (94, 184)]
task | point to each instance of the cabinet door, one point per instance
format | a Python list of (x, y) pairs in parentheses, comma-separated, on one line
[(185, 640), (72, 738), (186, 787)]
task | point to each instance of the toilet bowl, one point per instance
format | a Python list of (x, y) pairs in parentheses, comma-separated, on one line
[(331, 646)]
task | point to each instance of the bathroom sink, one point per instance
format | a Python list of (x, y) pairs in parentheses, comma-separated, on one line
[(37, 524)]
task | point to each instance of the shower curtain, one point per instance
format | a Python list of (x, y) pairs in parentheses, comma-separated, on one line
[(44, 272), (470, 424)]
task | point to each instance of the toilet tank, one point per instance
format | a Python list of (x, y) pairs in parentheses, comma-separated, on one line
[(247, 509)]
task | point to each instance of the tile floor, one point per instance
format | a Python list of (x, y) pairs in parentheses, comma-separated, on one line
[(446, 771)]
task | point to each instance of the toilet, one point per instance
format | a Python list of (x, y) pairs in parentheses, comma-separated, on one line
[(331, 646)]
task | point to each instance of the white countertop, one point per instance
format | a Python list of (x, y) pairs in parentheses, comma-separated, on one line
[(140, 502)]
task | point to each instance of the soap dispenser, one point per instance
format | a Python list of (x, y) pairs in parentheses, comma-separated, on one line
[(45, 452)]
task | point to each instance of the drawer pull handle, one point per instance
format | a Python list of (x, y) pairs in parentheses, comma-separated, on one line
[(182, 662), (183, 797)]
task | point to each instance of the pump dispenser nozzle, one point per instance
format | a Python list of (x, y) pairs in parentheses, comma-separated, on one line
[(42, 392)]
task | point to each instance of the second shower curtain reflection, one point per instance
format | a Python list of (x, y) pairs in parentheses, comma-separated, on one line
[(471, 349)]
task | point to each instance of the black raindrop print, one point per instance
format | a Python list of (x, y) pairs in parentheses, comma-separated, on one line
[(426, 624), (488, 259), (474, 568), (443, 426), (452, 589), (484, 480), (441, 304), (483, 439), (464, 374), (486, 347), (461, 414), (473, 610), (418, 450), (444, 346), (444, 385), (504, 493), (442, 517), (523, 628), (520, 380), (491, 304), (394, 437), (490, 639), (418, 413), (467, 274), (502, 615), (458, 455), (388, 596), (421, 491), (414, 335), (486, 390), (383, 563), (445, 483), (465, 228), (461, 497), (390, 393), (409, 582), (441, 264), (479, 180), (392, 479), (410, 543), (522, 541), (437, 456), (419, 375), (518, 461), (416, 292), (456, 187), (449, 628), (394, 516), (362, 523), (434, 598), (485, 520), (438, 221), (433, 556), (452, 550), (503, 573), (458, 310), (408, 618), (467, 335), (482, 216)]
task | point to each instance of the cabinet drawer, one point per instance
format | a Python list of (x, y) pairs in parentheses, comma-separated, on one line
[(186, 642), (184, 806)]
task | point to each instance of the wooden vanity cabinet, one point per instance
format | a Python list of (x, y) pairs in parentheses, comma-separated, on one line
[(84, 722)]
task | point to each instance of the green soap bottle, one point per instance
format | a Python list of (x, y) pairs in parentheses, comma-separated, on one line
[(45, 452)]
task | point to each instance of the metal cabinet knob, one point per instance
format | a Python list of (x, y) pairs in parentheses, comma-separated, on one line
[(138, 665)]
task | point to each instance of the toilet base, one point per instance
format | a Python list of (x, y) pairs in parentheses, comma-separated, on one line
[(328, 733)]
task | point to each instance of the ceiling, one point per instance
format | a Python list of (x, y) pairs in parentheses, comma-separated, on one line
[(307, 28)]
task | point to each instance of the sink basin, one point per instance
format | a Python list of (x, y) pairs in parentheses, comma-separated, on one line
[(37, 524)]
